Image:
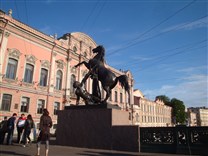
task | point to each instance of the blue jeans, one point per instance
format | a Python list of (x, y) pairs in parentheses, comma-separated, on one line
[(10, 136)]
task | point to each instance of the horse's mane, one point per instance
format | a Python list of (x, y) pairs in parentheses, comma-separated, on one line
[(100, 55)]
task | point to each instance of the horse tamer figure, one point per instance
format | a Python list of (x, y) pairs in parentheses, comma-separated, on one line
[(99, 72)]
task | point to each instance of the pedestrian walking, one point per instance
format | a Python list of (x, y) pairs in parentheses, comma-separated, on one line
[(20, 127), (29, 124), (10, 128), (3, 130), (44, 135)]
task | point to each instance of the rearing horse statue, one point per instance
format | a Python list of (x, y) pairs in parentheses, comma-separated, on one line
[(107, 78)]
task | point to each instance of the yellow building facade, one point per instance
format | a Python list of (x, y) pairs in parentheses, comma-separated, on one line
[(149, 113)]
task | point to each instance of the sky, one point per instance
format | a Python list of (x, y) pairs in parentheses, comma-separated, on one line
[(162, 42)]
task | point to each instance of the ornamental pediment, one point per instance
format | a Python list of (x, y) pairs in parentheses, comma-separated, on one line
[(73, 70), (84, 73), (31, 59), (84, 38), (14, 53), (60, 64), (45, 63)]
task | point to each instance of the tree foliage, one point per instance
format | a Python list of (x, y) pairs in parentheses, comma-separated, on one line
[(178, 108), (164, 98)]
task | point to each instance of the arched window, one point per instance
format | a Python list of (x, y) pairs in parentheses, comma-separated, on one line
[(43, 77), (110, 96), (29, 70), (11, 69), (74, 49), (58, 79), (128, 99), (137, 117), (116, 96), (73, 79), (121, 98)]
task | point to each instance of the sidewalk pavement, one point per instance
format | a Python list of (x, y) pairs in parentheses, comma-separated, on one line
[(55, 150)]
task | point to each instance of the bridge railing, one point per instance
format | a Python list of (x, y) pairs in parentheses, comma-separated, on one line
[(181, 140)]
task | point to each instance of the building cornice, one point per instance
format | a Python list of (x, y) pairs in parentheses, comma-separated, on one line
[(32, 34)]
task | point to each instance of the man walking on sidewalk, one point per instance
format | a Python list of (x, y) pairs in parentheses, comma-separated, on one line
[(10, 125)]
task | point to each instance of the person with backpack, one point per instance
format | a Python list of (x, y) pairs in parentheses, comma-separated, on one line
[(3, 130), (10, 128), (29, 124), (44, 135), (20, 126)]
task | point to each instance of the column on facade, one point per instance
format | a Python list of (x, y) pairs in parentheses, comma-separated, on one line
[(4, 39), (90, 81), (124, 100), (131, 91), (80, 60), (52, 70), (68, 78), (154, 114)]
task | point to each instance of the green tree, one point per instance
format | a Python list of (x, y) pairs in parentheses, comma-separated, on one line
[(178, 110), (164, 98)]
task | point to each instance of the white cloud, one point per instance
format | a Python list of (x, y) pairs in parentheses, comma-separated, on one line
[(192, 69), (193, 91), (140, 58), (189, 26)]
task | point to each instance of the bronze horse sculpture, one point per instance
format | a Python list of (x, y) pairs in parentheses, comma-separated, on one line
[(107, 78)]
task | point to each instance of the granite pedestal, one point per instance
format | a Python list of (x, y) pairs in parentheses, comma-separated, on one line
[(96, 127)]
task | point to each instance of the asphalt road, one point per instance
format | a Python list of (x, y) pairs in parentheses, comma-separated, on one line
[(56, 150), (30, 150)]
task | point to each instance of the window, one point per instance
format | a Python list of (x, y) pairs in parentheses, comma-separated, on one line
[(121, 98), (38, 126), (116, 98), (25, 104), (110, 96), (43, 77), (56, 107), (11, 69), (75, 49), (58, 79), (54, 126), (130, 116), (73, 79), (6, 102), (127, 99), (41, 105), (28, 73), (137, 117)]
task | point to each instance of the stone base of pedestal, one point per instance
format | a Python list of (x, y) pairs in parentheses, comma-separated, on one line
[(95, 127)]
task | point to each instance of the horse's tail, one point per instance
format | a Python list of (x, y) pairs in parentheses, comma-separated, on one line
[(123, 79)]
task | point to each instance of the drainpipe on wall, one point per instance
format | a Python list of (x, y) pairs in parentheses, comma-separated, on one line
[(79, 69), (67, 79), (50, 71)]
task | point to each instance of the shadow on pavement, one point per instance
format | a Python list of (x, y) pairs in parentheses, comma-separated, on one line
[(12, 153), (91, 153)]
